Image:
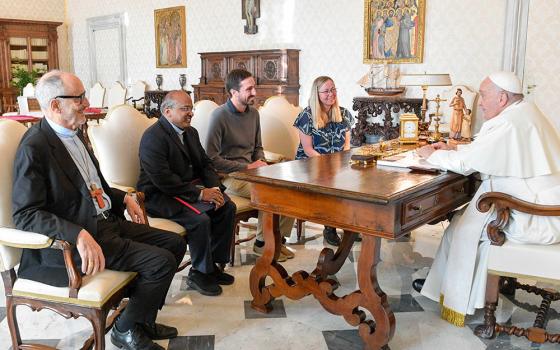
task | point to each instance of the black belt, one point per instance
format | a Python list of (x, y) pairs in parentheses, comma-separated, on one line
[(106, 215)]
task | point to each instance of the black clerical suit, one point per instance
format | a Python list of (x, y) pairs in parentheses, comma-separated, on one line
[(50, 197), (168, 169)]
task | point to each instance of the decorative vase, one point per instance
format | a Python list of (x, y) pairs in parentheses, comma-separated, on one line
[(159, 81), (182, 80)]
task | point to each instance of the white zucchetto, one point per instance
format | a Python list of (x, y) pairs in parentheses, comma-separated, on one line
[(507, 81)]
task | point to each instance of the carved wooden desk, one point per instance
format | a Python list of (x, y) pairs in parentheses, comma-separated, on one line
[(377, 202), (371, 107)]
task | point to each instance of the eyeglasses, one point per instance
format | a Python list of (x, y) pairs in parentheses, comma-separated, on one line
[(185, 109), (80, 97), (331, 91)]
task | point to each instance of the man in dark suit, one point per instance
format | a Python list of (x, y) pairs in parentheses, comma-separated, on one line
[(176, 175), (59, 191)]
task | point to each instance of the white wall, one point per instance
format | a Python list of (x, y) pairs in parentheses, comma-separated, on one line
[(463, 38), (41, 10), (542, 60)]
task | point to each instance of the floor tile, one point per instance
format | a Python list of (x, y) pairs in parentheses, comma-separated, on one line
[(199, 342), (278, 310), (404, 303), (48, 342), (345, 340)]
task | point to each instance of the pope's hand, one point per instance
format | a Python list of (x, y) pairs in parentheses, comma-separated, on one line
[(426, 151)]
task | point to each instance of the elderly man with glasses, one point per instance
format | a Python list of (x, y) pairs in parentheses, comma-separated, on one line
[(59, 191)]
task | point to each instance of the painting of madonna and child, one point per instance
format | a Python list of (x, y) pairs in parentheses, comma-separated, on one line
[(394, 31)]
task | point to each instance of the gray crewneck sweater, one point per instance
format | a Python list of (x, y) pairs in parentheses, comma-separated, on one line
[(234, 138)]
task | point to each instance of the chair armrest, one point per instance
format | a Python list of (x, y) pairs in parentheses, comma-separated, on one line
[(30, 240), (273, 158), (74, 277), (15, 238), (123, 188), (503, 204)]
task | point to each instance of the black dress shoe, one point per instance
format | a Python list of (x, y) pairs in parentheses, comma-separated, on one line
[(222, 278), (204, 283), (157, 331), (133, 339), (417, 284), (330, 235)]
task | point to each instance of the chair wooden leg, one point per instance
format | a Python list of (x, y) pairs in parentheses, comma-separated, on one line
[(232, 246), (488, 329), (299, 228), (12, 323), (98, 320), (507, 286)]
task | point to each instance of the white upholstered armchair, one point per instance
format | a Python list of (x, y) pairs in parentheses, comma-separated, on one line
[(201, 122), (91, 297), (116, 143), (508, 261)]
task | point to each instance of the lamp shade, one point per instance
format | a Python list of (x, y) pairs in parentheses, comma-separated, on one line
[(425, 80)]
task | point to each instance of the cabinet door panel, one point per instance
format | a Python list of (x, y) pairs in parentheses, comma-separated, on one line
[(271, 69), (215, 69), (242, 62)]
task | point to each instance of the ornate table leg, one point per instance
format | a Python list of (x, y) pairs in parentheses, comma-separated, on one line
[(266, 264), (329, 262), (373, 298)]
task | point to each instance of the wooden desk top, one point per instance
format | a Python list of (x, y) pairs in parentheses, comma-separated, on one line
[(332, 174)]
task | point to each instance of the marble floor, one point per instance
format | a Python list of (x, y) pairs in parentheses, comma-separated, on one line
[(228, 322)]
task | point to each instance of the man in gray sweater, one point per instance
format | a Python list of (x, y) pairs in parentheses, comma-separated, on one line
[(234, 143)]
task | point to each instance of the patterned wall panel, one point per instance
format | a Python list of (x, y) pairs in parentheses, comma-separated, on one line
[(41, 10), (542, 61)]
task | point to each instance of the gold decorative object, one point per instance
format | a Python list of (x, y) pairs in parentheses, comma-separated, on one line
[(437, 135), (425, 80), (409, 128), (368, 155)]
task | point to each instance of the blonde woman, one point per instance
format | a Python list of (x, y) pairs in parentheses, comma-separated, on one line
[(324, 127)]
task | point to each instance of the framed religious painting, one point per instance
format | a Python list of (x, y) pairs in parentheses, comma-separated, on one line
[(171, 38), (394, 31)]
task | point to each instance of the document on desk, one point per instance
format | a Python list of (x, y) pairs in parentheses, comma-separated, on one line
[(410, 160)]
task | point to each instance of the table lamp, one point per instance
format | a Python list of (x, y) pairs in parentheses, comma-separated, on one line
[(424, 80)]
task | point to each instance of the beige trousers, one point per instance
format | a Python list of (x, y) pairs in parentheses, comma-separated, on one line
[(243, 189)]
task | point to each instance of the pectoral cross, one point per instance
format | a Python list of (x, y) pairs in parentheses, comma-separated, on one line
[(97, 193)]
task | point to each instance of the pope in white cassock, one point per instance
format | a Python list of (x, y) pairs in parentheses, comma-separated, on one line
[(516, 152)]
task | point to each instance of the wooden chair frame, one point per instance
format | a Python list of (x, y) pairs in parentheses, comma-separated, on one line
[(96, 315), (503, 205), (239, 217)]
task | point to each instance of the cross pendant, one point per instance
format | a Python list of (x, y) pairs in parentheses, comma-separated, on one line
[(97, 194)]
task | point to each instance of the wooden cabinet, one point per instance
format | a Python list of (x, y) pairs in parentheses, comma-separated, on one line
[(27, 45), (276, 73)]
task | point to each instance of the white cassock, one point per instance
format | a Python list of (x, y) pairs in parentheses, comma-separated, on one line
[(518, 153)]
